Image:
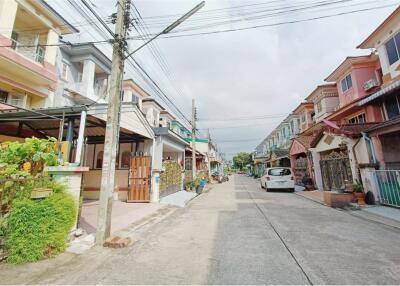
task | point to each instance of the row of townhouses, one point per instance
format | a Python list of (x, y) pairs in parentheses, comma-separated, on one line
[(51, 89), (348, 128)]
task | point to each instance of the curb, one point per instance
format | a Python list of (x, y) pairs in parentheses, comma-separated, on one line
[(361, 214)]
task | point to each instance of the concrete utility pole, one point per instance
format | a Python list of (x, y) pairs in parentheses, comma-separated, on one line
[(193, 139), (112, 127)]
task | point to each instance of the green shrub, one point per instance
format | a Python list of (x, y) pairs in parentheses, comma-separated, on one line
[(39, 229)]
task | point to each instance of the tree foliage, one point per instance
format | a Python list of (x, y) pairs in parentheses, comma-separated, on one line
[(241, 160)]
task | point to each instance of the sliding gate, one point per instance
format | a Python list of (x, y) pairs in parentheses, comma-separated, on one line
[(388, 182)]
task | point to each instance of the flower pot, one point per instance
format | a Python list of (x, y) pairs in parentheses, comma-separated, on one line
[(40, 193), (360, 198)]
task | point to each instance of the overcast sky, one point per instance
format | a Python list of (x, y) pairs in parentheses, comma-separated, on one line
[(263, 71)]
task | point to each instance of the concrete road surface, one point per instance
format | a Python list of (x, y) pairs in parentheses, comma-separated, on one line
[(236, 234)]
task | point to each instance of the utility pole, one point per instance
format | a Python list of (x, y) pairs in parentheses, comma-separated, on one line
[(112, 128), (193, 139)]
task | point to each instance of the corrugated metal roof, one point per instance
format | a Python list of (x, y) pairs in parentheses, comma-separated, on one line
[(390, 88)]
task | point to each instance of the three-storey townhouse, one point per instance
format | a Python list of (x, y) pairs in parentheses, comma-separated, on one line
[(341, 154), (385, 39), (29, 35)]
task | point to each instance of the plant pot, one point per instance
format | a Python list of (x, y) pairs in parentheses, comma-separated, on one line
[(309, 187), (40, 193), (360, 198)]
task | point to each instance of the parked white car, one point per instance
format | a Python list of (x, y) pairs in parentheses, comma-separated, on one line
[(277, 178)]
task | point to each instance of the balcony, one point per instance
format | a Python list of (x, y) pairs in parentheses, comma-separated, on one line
[(34, 53), (81, 94)]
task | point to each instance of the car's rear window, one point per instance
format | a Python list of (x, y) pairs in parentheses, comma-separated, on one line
[(279, 172)]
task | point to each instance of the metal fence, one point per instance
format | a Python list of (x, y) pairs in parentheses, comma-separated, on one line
[(388, 182)]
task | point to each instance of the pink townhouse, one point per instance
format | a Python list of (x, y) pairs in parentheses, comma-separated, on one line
[(341, 153)]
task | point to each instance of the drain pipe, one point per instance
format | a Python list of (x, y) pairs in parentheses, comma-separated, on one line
[(371, 145)]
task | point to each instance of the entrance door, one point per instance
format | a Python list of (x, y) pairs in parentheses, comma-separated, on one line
[(140, 177), (335, 169)]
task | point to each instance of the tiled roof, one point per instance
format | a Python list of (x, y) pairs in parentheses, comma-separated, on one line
[(279, 153), (310, 135)]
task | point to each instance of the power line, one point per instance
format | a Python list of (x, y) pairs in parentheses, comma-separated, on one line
[(268, 116), (59, 44), (275, 24), (158, 56)]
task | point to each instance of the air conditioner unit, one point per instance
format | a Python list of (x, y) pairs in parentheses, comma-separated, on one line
[(369, 84)]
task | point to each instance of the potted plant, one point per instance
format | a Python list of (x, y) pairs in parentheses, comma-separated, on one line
[(348, 187), (358, 190)]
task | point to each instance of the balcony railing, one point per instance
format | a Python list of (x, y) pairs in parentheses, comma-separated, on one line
[(35, 53), (98, 92)]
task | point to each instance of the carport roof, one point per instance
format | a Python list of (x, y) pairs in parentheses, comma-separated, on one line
[(46, 123)]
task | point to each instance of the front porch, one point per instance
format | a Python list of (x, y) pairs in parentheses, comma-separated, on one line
[(81, 132)]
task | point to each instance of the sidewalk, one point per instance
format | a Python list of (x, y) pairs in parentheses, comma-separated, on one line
[(377, 213)]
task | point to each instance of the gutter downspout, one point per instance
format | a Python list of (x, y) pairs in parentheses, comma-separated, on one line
[(355, 158), (371, 145)]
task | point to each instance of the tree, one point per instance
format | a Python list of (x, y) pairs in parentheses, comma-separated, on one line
[(241, 160)]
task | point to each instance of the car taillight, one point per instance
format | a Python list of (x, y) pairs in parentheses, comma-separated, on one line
[(291, 178), (268, 179)]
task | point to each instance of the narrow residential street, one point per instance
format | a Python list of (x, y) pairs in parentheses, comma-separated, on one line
[(236, 234)]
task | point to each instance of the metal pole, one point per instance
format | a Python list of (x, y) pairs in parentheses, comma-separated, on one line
[(112, 127), (193, 140)]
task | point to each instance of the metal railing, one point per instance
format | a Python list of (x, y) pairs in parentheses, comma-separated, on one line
[(388, 182)]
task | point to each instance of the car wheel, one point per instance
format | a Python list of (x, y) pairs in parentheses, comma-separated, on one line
[(291, 190), (262, 187), (265, 187)]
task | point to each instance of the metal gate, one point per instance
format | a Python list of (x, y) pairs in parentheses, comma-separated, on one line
[(335, 170), (388, 182), (140, 178)]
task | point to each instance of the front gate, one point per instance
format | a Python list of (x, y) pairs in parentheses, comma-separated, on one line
[(388, 182), (140, 178), (335, 170)]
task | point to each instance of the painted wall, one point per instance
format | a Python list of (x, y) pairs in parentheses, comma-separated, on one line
[(359, 76)]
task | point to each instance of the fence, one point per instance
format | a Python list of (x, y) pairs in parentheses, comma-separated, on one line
[(388, 182)]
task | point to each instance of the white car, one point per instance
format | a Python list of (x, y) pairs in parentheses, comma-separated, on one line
[(277, 178)]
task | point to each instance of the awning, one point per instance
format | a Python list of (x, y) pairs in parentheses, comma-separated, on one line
[(349, 129), (389, 89), (46, 122)]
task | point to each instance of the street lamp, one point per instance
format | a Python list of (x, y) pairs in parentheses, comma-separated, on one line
[(170, 27)]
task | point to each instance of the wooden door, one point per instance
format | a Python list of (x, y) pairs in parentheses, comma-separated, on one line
[(140, 178)]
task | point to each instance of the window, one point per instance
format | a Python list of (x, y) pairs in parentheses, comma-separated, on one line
[(3, 96), (125, 159), (319, 106), (79, 77), (358, 119), (17, 100), (40, 52), (303, 118), (279, 172), (392, 107), (64, 71), (135, 99), (347, 83), (14, 40), (393, 49), (99, 160)]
